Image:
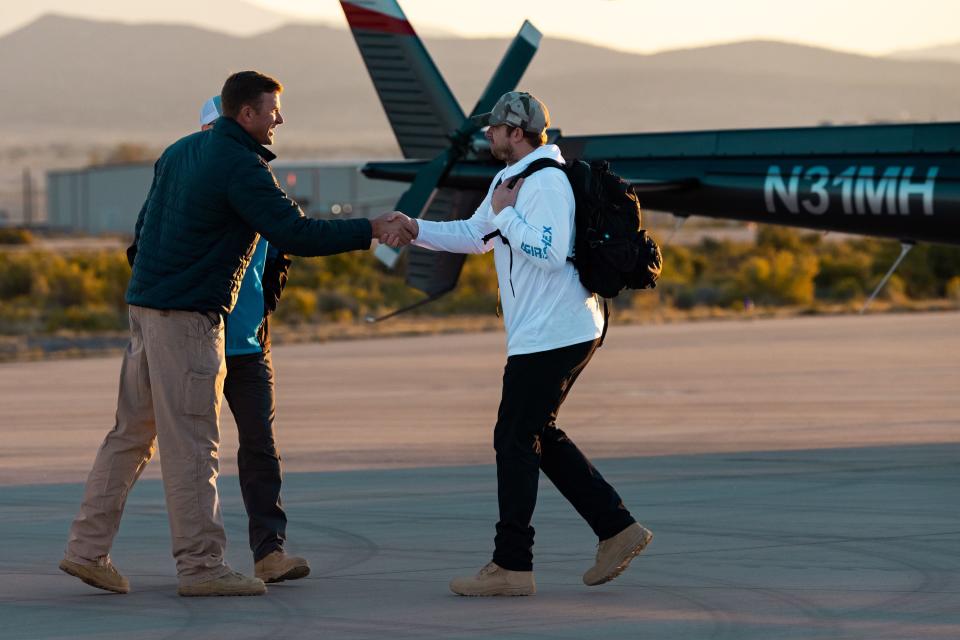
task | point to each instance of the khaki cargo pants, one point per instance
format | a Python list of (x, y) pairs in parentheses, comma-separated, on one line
[(170, 387)]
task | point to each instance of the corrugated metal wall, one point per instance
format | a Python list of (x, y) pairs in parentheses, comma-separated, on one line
[(106, 200)]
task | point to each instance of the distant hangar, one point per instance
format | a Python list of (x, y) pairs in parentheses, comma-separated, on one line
[(106, 199)]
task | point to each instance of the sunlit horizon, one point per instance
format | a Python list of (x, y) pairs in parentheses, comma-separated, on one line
[(865, 27), (868, 27)]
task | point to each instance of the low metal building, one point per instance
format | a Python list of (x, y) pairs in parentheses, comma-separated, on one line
[(106, 199)]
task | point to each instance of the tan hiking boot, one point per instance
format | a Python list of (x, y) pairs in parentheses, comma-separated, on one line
[(614, 554), (102, 575), (494, 580), (278, 566), (231, 584)]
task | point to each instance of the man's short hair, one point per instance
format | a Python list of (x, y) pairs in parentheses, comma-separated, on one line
[(533, 139), (246, 88)]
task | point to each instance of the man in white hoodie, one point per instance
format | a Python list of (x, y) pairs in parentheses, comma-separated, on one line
[(554, 326)]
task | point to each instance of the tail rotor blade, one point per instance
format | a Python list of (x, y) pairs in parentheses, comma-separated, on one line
[(512, 67), (421, 108)]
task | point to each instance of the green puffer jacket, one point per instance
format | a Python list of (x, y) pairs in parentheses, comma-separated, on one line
[(212, 193)]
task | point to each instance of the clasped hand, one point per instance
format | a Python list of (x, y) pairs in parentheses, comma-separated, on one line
[(395, 229)]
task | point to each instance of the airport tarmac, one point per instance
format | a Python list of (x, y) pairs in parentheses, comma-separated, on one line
[(801, 477)]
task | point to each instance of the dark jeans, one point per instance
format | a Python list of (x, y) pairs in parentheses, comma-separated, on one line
[(527, 440), (249, 389)]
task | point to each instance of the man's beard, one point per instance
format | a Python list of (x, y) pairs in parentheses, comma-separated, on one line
[(502, 153)]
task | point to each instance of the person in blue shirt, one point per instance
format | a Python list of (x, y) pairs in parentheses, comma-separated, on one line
[(249, 390)]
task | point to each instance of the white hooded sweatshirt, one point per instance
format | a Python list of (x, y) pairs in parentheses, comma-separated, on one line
[(544, 305)]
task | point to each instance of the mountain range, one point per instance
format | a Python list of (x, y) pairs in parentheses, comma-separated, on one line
[(943, 53), (79, 81), (230, 16)]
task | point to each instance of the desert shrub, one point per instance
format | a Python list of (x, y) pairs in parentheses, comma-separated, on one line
[(124, 153), (844, 272), (297, 305), (18, 317), (69, 284), (92, 317), (778, 238), (704, 295), (952, 289), (44, 291), (15, 236), (782, 278), (895, 290), (16, 277), (477, 290), (845, 289), (334, 303)]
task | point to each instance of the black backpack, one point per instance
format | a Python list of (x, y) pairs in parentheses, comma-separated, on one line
[(611, 251)]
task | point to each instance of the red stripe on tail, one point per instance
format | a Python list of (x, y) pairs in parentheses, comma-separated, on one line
[(360, 18)]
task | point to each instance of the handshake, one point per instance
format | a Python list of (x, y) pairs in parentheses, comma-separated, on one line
[(395, 229)]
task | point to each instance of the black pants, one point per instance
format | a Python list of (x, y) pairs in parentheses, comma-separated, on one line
[(527, 440), (249, 389)]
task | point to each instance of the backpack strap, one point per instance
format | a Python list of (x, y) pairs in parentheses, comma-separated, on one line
[(530, 169), (533, 167), (497, 234), (606, 322)]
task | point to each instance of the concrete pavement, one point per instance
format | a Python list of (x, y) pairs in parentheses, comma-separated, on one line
[(801, 477), (833, 544)]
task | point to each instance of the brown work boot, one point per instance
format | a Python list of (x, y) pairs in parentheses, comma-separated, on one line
[(278, 566), (494, 580), (231, 584), (614, 554), (102, 575)]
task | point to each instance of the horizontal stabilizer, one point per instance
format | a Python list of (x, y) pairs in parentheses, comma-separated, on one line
[(657, 186)]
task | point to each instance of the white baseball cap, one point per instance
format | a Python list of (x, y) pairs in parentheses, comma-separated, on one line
[(210, 111)]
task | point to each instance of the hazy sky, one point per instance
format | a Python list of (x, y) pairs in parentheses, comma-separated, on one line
[(862, 26)]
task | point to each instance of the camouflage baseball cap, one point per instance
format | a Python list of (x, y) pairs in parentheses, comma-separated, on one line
[(517, 109)]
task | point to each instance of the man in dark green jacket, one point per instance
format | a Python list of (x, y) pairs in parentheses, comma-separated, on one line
[(213, 195)]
